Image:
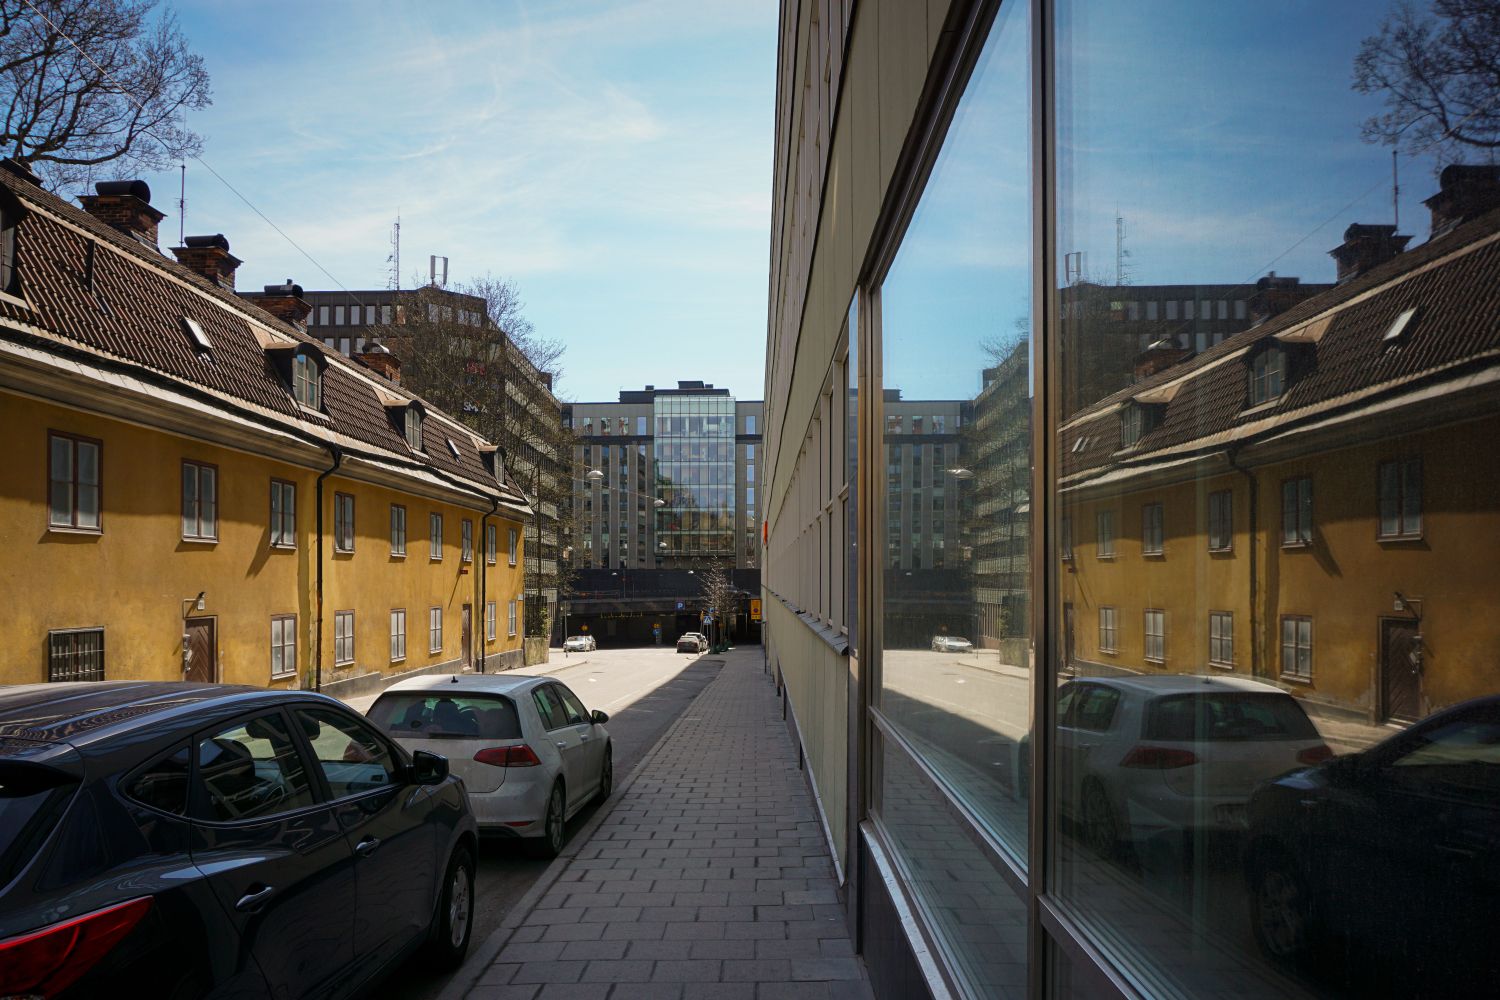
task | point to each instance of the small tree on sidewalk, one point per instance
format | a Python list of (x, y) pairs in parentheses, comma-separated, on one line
[(718, 600)]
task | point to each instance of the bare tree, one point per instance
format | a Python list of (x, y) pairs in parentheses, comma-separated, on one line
[(1440, 76), (718, 598), (93, 82)]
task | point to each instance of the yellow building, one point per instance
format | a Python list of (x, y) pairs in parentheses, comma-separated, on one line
[(1314, 502), (195, 488)]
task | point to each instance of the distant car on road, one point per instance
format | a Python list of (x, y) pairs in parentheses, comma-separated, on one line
[(580, 644), (1395, 849), (216, 840), (951, 644), (692, 642), (528, 751), (1143, 756)]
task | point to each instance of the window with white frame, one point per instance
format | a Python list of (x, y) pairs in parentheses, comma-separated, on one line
[(343, 522), (490, 545), (1296, 647), (1220, 521), (1267, 375), (1221, 638), (466, 540), (1296, 511), (514, 546), (1104, 544), (435, 532), (435, 630), (398, 634), (1400, 484), (343, 637), (1156, 635), (398, 530), (1109, 633), (283, 645), (73, 476), (283, 514), (1151, 529), (200, 502), (489, 621), (510, 618)]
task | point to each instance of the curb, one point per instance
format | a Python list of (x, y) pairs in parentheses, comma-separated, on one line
[(484, 957)]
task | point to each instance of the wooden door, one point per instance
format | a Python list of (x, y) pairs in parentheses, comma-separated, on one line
[(201, 652), (468, 636), (1400, 670)]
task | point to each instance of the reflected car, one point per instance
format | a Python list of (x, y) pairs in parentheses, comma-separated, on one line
[(216, 840), (529, 753), (579, 644), (951, 644), (1394, 850), (692, 642), (1143, 757)]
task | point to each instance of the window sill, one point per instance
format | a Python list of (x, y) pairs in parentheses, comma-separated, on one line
[(1105, 558), (284, 677), (1296, 545), (435, 652), (398, 659), (1294, 679), (200, 541), (342, 552), (1153, 555), (1156, 661), (1222, 551), (1220, 666), (62, 529), (1110, 652), (282, 547), (1398, 539), (399, 555), (343, 663)]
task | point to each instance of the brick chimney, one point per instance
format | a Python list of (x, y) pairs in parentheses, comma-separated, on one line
[(1464, 192), (285, 302), (1160, 356), (126, 205), (209, 257), (1366, 248), (379, 359)]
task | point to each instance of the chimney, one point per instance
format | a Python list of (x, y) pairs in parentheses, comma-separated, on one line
[(1366, 248), (379, 359), (285, 302), (126, 205), (209, 257), (1160, 356), (1276, 293), (1464, 192)]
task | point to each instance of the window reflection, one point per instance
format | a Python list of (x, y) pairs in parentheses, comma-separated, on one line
[(1305, 601)]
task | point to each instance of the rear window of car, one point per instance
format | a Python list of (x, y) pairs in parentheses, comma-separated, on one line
[(32, 801), (1227, 715), (426, 715)]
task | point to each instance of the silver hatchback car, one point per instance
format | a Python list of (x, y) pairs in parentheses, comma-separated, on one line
[(528, 751)]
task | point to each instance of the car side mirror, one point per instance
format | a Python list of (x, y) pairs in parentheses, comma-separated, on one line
[(600, 718), (428, 768)]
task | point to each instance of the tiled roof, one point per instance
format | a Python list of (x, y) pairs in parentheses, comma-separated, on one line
[(1453, 282), (133, 314)]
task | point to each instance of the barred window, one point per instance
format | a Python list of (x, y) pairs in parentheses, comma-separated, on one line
[(75, 654)]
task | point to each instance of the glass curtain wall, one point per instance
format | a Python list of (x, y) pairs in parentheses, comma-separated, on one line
[(951, 491), (1275, 770), (695, 476)]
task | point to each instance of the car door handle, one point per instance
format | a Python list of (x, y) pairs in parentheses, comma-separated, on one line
[(584, 737), (366, 847), (562, 744), (253, 901)]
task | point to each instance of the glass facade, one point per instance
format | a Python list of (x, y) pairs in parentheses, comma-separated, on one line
[(1174, 506), (695, 475)]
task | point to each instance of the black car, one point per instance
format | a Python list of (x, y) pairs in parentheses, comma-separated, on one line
[(195, 839), (1385, 864)]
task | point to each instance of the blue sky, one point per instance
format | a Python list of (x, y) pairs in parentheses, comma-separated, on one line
[(613, 158)]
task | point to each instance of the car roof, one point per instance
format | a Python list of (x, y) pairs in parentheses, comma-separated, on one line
[(1160, 684), (504, 683), (85, 712)]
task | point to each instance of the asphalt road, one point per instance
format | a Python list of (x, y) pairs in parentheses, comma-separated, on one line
[(643, 691)]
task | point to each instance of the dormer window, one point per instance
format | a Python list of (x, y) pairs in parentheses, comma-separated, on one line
[(1268, 375), (307, 381), (11, 214), (413, 426), (1136, 421)]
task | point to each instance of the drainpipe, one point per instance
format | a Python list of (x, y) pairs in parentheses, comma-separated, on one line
[(1230, 455), (338, 458), (484, 535)]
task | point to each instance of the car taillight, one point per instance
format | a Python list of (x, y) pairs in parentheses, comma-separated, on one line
[(1161, 758), (516, 756), (1314, 755), (46, 962)]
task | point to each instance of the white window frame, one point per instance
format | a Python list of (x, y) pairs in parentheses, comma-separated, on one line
[(1104, 534), (1109, 629), (510, 619), (343, 638), (1153, 529), (466, 540), (1221, 521), (283, 514), (1394, 493), (283, 646), (435, 629), (435, 537), (491, 545), (489, 621), (398, 531), (1221, 639), (343, 522), (514, 545), (1154, 631), (1297, 517), (398, 634), (76, 486), (200, 518), (1299, 649)]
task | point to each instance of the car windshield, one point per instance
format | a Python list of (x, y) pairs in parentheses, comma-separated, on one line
[(435, 716), (1227, 715)]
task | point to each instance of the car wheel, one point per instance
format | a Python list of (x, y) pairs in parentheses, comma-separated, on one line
[(1100, 828), (550, 843), (1281, 909), (606, 775), (448, 941)]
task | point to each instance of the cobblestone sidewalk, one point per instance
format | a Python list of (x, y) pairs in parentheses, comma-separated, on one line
[(709, 879)]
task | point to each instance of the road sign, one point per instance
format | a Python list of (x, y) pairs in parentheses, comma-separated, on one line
[(755, 609)]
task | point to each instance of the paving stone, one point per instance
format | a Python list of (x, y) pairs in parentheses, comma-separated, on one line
[(689, 971), (618, 971)]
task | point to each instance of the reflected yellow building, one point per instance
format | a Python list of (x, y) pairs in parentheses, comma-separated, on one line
[(1324, 484), (197, 489)]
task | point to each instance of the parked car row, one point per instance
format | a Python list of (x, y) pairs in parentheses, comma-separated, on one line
[(238, 841), (1336, 850), (692, 642)]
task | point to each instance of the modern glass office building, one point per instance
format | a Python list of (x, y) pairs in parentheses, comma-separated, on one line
[(1132, 601), (695, 475)]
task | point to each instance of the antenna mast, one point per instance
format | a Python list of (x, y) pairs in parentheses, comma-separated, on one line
[(182, 207), (1395, 193), (394, 258), (1122, 256)]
